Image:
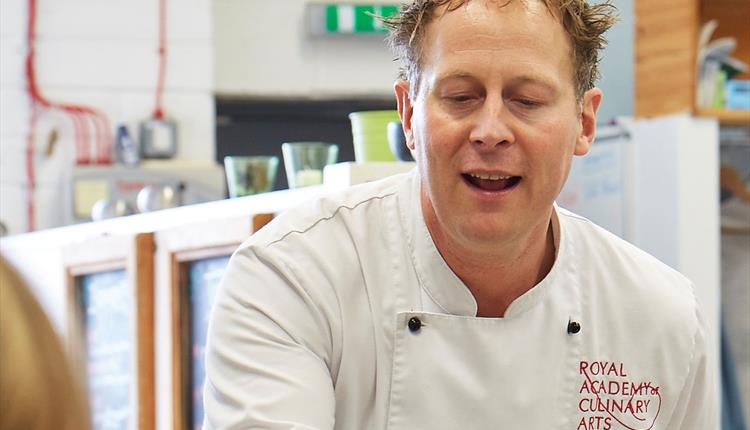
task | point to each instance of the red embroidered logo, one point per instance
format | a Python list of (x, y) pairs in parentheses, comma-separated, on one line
[(610, 400)]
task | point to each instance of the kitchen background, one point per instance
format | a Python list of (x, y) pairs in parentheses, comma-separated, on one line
[(243, 76)]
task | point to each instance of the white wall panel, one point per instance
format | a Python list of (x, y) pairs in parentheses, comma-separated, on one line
[(190, 20), (130, 20), (13, 160), (13, 207), (12, 17), (291, 62), (50, 165), (366, 80), (49, 204), (14, 111), (122, 65), (12, 69)]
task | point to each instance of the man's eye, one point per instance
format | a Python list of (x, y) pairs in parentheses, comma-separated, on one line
[(461, 98), (528, 102)]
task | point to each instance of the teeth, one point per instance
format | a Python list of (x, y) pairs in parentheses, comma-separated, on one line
[(490, 177)]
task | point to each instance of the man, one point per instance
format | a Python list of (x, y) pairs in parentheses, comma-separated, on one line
[(460, 296)]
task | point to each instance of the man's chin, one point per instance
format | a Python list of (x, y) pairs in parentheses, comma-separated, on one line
[(486, 234)]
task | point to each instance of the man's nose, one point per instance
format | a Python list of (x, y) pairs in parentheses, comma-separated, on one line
[(491, 126)]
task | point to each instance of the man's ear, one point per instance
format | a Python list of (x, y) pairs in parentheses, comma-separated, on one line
[(591, 101), (403, 103)]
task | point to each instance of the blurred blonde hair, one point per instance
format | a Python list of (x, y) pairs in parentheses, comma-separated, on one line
[(38, 389)]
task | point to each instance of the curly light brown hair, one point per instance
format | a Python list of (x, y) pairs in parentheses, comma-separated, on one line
[(584, 23)]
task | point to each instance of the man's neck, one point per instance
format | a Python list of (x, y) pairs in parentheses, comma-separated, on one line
[(497, 278)]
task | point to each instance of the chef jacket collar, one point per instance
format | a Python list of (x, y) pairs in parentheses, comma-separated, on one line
[(439, 282)]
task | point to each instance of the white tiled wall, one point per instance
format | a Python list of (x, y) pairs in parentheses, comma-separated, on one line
[(101, 54)]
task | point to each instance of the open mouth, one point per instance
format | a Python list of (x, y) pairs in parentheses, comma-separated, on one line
[(492, 183)]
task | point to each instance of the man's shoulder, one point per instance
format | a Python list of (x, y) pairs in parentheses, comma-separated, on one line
[(616, 252), (329, 215), (623, 275)]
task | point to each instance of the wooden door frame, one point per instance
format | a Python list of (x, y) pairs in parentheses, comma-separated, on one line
[(178, 248), (133, 253)]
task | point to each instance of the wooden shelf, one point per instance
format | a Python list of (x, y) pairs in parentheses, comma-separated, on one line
[(726, 116), (666, 32)]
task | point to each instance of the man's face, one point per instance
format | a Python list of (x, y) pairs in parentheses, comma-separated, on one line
[(495, 121)]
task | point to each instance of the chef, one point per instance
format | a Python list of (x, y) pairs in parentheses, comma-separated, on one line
[(459, 296)]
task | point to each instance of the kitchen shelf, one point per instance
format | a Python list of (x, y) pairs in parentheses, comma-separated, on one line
[(726, 116), (665, 53)]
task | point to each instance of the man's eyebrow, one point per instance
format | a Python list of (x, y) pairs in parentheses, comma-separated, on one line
[(455, 75), (532, 79), (541, 80)]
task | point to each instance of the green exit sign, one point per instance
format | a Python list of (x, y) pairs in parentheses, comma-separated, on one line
[(349, 18)]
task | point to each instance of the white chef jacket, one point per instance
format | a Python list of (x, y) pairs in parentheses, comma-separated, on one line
[(311, 330)]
